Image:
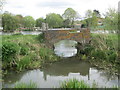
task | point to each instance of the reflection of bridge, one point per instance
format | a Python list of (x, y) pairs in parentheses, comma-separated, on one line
[(65, 67), (81, 36)]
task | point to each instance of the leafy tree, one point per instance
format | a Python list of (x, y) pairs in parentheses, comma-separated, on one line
[(92, 19), (39, 22), (66, 23), (19, 20), (29, 21), (111, 19), (71, 15), (88, 14), (9, 21), (54, 20)]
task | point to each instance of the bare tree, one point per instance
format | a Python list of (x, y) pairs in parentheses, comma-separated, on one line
[(2, 2)]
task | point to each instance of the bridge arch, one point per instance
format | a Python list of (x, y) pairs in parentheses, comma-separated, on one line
[(53, 36)]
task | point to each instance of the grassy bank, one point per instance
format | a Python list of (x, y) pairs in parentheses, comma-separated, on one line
[(74, 83), (67, 84), (21, 52), (24, 85), (103, 52)]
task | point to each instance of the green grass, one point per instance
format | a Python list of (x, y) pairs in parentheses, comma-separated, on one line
[(103, 51), (25, 52), (74, 83), (47, 55), (24, 85)]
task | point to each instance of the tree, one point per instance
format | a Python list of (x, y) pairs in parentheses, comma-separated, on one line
[(9, 21), (66, 23), (91, 19), (29, 21), (20, 21), (88, 14), (39, 22), (54, 20), (2, 2), (71, 15), (111, 19), (97, 13)]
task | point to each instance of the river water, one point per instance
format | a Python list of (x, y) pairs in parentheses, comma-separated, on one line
[(70, 67)]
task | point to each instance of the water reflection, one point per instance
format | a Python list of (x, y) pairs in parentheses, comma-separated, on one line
[(22, 32), (65, 48), (30, 32), (52, 75), (63, 68)]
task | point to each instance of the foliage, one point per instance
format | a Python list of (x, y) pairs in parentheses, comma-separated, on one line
[(111, 19), (23, 63), (103, 51), (9, 21), (66, 23), (74, 83), (19, 19), (47, 55), (54, 20), (39, 22), (91, 21), (41, 38), (70, 14), (24, 85), (24, 50), (9, 49), (29, 21)]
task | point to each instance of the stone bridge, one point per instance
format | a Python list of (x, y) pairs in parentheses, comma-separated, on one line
[(53, 36)]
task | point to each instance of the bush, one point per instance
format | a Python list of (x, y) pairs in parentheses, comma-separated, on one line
[(24, 50), (9, 49), (88, 49), (98, 54), (112, 56), (41, 38), (23, 63), (47, 55)]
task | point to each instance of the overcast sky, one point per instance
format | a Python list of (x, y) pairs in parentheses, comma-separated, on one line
[(39, 8)]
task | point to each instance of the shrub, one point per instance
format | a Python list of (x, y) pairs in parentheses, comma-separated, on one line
[(112, 56), (9, 49), (23, 63), (41, 38), (98, 54), (47, 55), (24, 50), (88, 49)]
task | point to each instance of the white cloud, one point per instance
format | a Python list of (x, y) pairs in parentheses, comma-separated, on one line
[(39, 8)]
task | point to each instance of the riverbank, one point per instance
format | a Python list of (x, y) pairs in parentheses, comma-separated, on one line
[(70, 83), (24, 52), (21, 52), (102, 52)]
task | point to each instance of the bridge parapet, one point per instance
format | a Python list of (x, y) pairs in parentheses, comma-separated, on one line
[(81, 36)]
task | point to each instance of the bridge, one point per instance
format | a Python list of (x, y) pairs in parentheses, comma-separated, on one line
[(81, 36)]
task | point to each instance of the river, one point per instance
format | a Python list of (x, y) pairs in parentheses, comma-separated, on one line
[(70, 67)]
